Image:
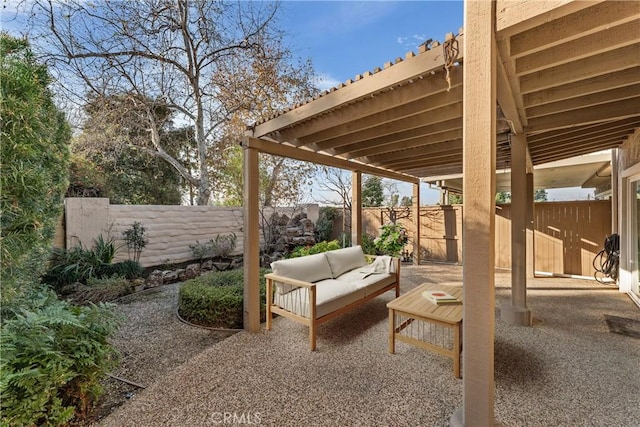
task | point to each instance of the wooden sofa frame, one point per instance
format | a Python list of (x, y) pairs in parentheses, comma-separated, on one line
[(312, 322)]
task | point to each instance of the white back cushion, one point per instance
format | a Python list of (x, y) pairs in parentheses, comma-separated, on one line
[(310, 268), (343, 260)]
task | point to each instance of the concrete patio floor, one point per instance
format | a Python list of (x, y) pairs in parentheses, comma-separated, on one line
[(565, 370)]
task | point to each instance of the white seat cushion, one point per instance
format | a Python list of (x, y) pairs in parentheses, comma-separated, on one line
[(343, 260), (371, 283), (331, 295)]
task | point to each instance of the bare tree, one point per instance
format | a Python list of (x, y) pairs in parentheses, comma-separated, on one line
[(336, 186), (202, 59)]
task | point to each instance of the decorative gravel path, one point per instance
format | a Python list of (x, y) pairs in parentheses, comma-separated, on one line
[(152, 342)]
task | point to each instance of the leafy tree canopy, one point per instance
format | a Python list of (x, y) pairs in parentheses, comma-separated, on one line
[(372, 191), (216, 65)]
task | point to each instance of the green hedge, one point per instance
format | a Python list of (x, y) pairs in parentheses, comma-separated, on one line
[(34, 162), (216, 299)]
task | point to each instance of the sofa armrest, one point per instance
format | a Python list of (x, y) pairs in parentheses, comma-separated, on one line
[(307, 297), (288, 281)]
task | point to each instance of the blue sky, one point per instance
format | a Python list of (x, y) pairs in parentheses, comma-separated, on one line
[(346, 38)]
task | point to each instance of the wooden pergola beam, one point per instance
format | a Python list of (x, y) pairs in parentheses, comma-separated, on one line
[(282, 150)]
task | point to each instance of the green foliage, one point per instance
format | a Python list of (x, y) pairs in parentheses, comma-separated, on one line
[(540, 195), (68, 266), (455, 199), (134, 237), (128, 269), (216, 299), (324, 225), (113, 134), (86, 179), (54, 355), (368, 244), (372, 192), (503, 197), (315, 249), (222, 246), (34, 160), (392, 240)]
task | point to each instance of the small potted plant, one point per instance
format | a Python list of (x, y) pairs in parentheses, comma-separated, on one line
[(393, 238)]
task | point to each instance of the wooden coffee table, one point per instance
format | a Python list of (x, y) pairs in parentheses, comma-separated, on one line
[(427, 325)]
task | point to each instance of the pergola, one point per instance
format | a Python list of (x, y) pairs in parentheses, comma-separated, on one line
[(524, 83)]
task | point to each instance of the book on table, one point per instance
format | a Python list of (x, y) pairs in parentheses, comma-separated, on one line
[(440, 297)]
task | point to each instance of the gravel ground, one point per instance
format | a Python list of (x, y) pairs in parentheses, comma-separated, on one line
[(152, 342)]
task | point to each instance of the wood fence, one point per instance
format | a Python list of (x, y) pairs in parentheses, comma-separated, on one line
[(568, 235)]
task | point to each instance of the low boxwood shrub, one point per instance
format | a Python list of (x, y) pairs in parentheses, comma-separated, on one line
[(216, 299), (54, 355)]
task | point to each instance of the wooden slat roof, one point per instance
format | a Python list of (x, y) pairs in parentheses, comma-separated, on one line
[(569, 78)]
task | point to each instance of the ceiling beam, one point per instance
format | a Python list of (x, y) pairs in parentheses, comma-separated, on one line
[(578, 140), (585, 87), (562, 152), (516, 16), (426, 143), (606, 63), (397, 140), (322, 140), (290, 152), (593, 44), (585, 101), (432, 150), (585, 130), (599, 113), (565, 29), (445, 113)]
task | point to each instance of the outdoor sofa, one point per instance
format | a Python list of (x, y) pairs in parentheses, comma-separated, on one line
[(316, 288)]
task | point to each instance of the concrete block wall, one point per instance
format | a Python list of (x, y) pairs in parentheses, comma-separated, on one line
[(169, 230)]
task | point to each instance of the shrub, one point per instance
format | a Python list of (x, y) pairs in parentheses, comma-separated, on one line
[(216, 299), (220, 247), (128, 269), (34, 156), (134, 237), (54, 355), (315, 249), (77, 264)]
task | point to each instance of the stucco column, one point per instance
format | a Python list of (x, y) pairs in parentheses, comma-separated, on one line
[(516, 312), (356, 208), (478, 223), (251, 233)]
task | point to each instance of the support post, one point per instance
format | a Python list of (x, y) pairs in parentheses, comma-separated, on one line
[(251, 232), (531, 241), (479, 165), (615, 171), (516, 312), (356, 208), (416, 223)]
